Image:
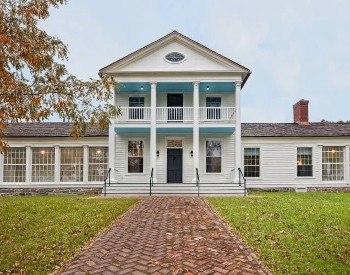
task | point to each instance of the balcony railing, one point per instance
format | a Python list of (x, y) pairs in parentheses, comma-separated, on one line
[(177, 114), (217, 113)]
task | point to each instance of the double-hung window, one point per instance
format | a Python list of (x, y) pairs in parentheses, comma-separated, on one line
[(98, 163), (252, 162), (333, 163), (304, 162), (15, 165), (136, 105), (213, 156), (72, 164), (135, 156), (43, 164)]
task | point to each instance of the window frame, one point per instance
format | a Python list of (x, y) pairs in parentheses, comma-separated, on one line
[(11, 164), (143, 157), (52, 151), (335, 163), (312, 162), (71, 164), (260, 164), (90, 165), (205, 156)]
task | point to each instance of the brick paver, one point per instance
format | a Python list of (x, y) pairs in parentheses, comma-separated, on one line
[(167, 235)]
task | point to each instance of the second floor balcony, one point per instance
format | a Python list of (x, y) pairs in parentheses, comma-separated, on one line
[(177, 114)]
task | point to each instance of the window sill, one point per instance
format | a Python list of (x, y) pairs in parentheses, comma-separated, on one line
[(311, 178)]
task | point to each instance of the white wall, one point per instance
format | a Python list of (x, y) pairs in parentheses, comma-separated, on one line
[(278, 157)]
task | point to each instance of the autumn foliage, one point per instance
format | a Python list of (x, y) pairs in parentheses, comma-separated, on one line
[(34, 84)]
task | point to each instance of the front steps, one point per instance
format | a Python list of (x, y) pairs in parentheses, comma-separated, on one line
[(173, 189)]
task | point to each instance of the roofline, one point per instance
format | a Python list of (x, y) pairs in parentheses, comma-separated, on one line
[(173, 33)]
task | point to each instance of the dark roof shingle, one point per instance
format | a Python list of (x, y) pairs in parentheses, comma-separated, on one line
[(49, 129), (315, 129)]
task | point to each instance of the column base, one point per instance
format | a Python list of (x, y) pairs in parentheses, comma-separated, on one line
[(194, 180)]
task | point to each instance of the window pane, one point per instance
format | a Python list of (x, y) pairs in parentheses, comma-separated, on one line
[(71, 164), (135, 156), (304, 162), (332, 163), (43, 164), (15, 165), (213, 156), (252, 162), (98, 163)]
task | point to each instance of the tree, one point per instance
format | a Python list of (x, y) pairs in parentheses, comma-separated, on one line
[(34, 85)]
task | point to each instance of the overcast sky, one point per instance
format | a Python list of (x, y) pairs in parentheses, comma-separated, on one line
[(295, 49)]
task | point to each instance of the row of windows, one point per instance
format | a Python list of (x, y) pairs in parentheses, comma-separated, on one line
[(43, 164), (332, 162)]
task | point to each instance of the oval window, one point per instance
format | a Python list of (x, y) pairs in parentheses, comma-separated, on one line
[(175, 57)]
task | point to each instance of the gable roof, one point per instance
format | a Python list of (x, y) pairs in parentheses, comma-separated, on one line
[(315, 129), (175, 35), (49, 129)]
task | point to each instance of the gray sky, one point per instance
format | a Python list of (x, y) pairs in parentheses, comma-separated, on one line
[(295, 49)]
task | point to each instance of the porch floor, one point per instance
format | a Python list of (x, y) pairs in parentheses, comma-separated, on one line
[(167, 235)]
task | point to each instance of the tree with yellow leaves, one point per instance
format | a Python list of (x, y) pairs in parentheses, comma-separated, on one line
[(34, 85)]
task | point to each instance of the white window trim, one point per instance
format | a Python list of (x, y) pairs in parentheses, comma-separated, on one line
[(260, 162), (127, 157), (344, 164), (313, 162), (205, 156)]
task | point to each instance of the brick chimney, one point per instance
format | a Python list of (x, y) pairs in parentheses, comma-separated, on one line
[(301, 112)]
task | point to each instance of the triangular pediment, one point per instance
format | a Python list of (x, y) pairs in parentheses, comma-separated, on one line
[(197, 58)]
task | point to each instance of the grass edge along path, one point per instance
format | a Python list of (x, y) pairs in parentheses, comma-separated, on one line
[(38, 234), (293, 232)]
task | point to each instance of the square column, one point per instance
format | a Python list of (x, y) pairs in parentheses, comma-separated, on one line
[(153, 134), (57, 164), (238, 142), (28, 164), (111, 152), (195, 129), (85, 163), (1, 167)]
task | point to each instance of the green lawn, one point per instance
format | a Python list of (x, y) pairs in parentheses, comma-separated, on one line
[(38, 233), (306, 233)]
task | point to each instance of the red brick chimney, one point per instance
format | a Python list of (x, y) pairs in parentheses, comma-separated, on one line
[(301, 112)]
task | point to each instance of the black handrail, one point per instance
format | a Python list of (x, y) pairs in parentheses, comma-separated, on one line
[(108, 177), (244, 181), (197, 181), (151, 183)]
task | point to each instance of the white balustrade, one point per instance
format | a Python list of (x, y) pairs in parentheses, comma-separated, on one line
[(184, 114), (217, 114)]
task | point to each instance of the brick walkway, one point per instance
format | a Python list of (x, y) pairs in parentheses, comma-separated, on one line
[(167, 235)]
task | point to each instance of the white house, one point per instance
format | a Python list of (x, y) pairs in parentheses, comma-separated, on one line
[(181, 122)]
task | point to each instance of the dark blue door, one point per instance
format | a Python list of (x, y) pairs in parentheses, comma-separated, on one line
[(174, 165)]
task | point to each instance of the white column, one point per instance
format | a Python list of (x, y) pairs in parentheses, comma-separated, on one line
[(111, 152), (238, 145), (1, 167), (57, 164), (153, 135), (347, 163), (28, 164), (195, 129), (85, 164)]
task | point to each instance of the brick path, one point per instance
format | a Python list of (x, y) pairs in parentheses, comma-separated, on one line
[(167, 235)]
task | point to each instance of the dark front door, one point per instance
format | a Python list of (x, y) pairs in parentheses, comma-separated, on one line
[(174, 165), (175, 104)]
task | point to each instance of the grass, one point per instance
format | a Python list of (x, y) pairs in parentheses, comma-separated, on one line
[(304, 233), (38, 233)]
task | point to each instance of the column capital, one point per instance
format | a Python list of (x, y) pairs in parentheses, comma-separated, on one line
[(196, 83), (238, 83), (153, 83)]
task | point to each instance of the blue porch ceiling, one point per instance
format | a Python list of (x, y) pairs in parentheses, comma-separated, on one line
[(184, 87)]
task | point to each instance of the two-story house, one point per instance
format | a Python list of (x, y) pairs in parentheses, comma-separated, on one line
[(180, 114)]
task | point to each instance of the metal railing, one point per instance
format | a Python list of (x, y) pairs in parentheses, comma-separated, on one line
[(151, 182), (241, 175), (107, 178), (197, 181)]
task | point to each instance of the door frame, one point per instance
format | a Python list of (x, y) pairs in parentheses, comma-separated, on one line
[(182, 163), (166, 138)]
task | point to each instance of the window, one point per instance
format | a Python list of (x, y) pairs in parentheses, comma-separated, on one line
[(15, 165), (135, 156), (136, 105), (175, 57), (332, 163), (304, 162), (213, 156), (252, 162), (213, 105), (175, 143), (43, 164), (98, 163), (72, 164)]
